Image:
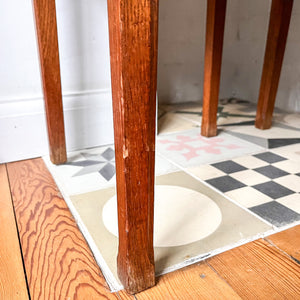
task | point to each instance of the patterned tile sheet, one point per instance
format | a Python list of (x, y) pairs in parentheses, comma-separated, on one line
[(93, 169), (189, 148), (259, 170), (267, 183)]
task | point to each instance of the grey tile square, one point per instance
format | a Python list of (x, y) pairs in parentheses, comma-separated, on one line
[(229, 166), (108, 154), (276, 213), (298, 174), (273, 189), (271, 172), (108, 171), (225, 183), (269, 157)]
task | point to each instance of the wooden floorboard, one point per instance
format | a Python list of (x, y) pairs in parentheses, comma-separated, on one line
[(58, 262), (259, 270), (195, 282), (288, 241), (125, 296), (12, 278)]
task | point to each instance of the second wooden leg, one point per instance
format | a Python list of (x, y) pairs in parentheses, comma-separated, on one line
[(45, 18), (215, 22), (277, 35), (133, 52)]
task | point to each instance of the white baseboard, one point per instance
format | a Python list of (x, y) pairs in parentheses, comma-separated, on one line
[(23, 135)]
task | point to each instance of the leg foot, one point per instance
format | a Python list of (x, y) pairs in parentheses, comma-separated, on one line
[(277, 35), (215, 22)]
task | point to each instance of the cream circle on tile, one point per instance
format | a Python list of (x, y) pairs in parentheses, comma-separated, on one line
[(181, 216)]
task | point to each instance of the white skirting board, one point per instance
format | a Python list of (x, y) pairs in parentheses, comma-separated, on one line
[(23, 135)]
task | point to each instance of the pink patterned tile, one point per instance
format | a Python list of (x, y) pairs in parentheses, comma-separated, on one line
[(190, 148)]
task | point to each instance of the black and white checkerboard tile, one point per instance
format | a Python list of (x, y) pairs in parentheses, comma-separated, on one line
[(266, 183)]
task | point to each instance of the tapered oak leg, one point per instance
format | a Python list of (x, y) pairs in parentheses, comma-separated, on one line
[(215, 22), (45, 18), (277, 35), (133, 52)]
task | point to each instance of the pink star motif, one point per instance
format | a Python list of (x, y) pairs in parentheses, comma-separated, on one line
[(211, 145)]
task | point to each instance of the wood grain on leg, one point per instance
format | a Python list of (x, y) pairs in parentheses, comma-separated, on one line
[(259, 270), (215, 22), (276, 41), (12, 277), (133, 52), (58, 262), (45, 18)]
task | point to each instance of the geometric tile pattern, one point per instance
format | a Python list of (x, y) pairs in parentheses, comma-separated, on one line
[(278, 136), (229, 166), (103, 162), (86, 170), (276, 213), (270, 178), (271, 172), (267, 190), (273, 189), (189, 148), (225, 183), (222, 113), (236, 162), (94, 169), (269, 157)]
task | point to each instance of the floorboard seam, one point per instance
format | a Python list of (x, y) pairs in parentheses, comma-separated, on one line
[(18, 233), (221, 277), (281, 250)]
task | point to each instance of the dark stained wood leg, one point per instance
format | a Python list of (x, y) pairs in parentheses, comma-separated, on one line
[(215, 23), (46, 28), (277, 35), (133, 52)]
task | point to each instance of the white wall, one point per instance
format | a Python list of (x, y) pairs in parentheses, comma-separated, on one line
[(85, 72), (84, 56), (181, 52)]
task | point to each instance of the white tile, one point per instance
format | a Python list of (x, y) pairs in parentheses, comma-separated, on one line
[(189, 148), (248, 197), (162, 166), (206, 172), (291, 182), (291, 152), (80, 179), (290, 119), (250, 162), (291, 201), (232, 120), (272, 133), (174, 205), (289, 166), (188, 107), (237, 224), (77, 179), (249, 177), (191, 117), (171, 122)]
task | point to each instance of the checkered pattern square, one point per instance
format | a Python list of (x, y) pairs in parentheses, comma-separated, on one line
[(266, 183)]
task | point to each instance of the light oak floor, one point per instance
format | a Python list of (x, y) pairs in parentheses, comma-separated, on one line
[(43, 255)]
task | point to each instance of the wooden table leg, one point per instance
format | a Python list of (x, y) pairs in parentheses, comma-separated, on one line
[(277, 35), (215, 22), (45, 18), (133, 52)]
